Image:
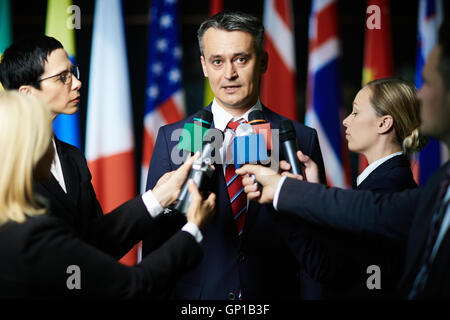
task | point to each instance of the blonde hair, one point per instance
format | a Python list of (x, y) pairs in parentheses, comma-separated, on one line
[(25, 135), (398, 98)]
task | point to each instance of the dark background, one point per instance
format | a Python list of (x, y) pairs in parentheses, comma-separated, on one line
[(29, 18)]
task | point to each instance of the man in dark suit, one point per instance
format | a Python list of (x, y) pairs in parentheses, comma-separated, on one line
[(249, 259), (419, 217), (40, 66)]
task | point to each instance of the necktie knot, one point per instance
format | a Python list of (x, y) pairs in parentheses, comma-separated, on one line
[(234, 124)]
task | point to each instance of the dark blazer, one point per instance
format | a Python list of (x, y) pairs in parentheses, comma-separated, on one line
[(259, 264), (392, 175), (35, 257), (80, 209), (403, 216), (353, 254)]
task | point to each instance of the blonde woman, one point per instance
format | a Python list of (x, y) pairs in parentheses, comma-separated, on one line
[(383, 127), (40, 255)]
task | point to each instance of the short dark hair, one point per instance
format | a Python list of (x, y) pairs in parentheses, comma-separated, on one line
[(23, 62), (234, 21), (444, 60)]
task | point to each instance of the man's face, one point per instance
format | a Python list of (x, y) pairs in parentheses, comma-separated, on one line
[(435, 102), (233, 67), (62, 98)]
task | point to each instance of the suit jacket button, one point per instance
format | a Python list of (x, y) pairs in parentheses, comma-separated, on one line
[(231, 296)]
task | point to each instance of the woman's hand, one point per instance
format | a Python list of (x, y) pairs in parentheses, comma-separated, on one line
[(169, 185), (311, 169), (199, 212)]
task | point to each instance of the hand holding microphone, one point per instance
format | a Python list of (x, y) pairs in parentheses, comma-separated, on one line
[(311, 169), (288, 142)]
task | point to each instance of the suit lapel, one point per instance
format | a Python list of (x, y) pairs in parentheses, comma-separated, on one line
[(70, 173)]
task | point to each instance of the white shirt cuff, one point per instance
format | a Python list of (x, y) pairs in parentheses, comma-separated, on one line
[(277, 192), (152, 204), (192, 228)]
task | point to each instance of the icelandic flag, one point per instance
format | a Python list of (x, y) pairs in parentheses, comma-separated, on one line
[(323, 91)]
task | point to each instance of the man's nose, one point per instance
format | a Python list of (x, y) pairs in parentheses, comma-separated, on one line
[(230, 71)]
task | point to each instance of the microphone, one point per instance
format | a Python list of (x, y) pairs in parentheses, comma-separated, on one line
[(201, 169), (288, 141), (194, 133), (261, 126), (248, 146)]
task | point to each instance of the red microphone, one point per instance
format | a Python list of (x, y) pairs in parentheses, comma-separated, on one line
[(261, 126)]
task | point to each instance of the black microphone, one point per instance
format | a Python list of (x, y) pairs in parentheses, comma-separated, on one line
[(288, 141), (200, 171)]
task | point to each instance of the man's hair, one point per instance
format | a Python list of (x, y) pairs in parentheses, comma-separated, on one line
[(444, 61), (23, 62), (234, 21)]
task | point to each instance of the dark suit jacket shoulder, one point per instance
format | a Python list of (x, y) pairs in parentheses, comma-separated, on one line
[(393, 175), (36, 258)]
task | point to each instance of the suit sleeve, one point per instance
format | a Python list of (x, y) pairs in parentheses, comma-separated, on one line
[(159, 165), (51, 249), (361, 212), (160, 162)]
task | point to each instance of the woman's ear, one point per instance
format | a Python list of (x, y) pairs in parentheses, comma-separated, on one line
[(385, 124)]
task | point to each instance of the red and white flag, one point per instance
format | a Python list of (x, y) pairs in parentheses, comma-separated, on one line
[(278, 87), (109, 129)]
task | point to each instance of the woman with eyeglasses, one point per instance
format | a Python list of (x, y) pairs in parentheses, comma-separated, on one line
[(41, 256), (40, 67)]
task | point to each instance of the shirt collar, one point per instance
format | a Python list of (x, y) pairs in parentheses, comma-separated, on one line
[(222, 117), (373, 166)]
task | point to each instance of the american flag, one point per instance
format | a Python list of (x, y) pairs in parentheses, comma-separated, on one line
[(323, 91), (430, 18), (164, 93)]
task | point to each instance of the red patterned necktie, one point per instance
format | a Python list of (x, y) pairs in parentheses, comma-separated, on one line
[(238, 198)]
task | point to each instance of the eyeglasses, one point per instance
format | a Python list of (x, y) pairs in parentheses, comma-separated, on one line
[(65, 76)]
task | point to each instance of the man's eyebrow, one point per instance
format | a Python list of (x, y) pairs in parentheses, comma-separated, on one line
[(218, 56), (214, 57)]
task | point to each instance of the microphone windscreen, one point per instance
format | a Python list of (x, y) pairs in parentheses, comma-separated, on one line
[(255, 117), (191, 138), (264, 129), (203, 118), (287, 130), (249, 149)]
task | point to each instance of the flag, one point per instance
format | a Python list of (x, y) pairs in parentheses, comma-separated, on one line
[(164, 101), (215, 6), (109, 132), (378, 58), (429, 19), (65, 126), (5, 27), (278, 87), (323, 91)]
